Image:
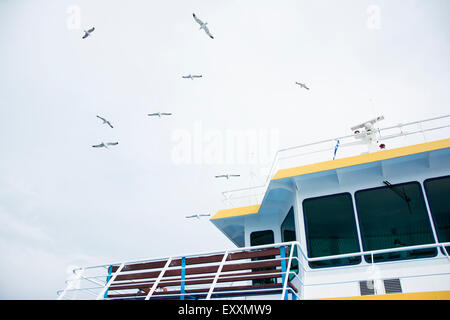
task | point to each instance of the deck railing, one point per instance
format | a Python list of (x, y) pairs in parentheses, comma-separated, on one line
[(392, 137), (277, 270), (233, 272)]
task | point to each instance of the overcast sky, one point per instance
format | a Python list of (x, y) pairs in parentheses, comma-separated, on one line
[(65, 203)]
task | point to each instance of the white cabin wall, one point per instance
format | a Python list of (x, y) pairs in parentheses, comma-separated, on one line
[(269, 221)]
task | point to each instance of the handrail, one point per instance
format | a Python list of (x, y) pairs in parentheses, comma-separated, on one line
[(102, 293), (222, 292), (204, 253), (277, 157), (301, 258), (308, 259), (380, 251)]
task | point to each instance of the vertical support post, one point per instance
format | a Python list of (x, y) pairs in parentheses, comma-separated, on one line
[(217, 275), (284, 276), (374, 281), (111, 280), (183, 275), (107, 279), (444, 248), (285, 279), (161, 274)]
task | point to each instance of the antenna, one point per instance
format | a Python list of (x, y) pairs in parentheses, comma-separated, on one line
[(366, 132), (368, 125)]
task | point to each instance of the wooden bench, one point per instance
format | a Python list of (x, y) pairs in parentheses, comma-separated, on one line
[(137, 279)]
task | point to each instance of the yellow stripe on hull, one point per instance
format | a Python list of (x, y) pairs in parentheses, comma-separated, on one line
[(433, 295)]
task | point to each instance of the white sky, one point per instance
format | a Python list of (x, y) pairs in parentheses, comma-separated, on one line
[(63, 202)]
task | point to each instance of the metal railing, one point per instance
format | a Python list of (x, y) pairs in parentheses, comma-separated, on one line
[(80, 287), (98, 275), (393, 137)]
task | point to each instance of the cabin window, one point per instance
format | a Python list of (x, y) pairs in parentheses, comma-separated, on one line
[(288, 234), (259, 238), (438, 194), (288, 227), (394, 216), (330, 228)]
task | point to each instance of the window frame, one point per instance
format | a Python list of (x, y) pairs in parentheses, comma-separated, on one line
[(356, 233), (431, 213), (367, 258)]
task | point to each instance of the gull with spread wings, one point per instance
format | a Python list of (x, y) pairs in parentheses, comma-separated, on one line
[(228, 176), (88, 33), (105, 121), (202, 25), (159, 114), (192, 76), (198, 216), (302, 85), (105, 145)]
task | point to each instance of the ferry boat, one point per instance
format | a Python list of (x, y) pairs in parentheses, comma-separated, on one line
[(363, 216)]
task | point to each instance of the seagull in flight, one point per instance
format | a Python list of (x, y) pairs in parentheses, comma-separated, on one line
[(228, 176), (202, 25), (105, 121), (198, 216), (192, 76), (302, 85), (105, 145), (159, 114), (88, 33)]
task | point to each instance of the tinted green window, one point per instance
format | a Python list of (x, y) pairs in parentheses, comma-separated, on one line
[(438, 194), (259, 238), (288, 234), (331, 229), (394, 216), (288, 227)]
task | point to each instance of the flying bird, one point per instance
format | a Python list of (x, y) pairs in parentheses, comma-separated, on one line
[(302, 85), (105, 145), (105, 121), (159, 114), (192, 76), (203, 25), (198, 216), (228, 176), (88, 33)]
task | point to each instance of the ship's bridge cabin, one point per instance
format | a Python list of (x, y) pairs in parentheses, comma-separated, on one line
[(358, 217)]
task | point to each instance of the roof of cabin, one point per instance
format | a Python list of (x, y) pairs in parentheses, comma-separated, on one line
[(386, 162)]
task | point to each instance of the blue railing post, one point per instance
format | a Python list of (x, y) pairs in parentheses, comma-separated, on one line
[(283, 269), (183, 275), (105, 296)]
